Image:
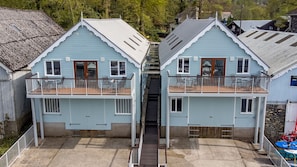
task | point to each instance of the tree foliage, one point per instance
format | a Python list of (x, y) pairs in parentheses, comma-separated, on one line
[(151, 16)]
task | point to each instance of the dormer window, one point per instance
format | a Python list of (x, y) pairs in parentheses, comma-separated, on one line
[(52, 67)]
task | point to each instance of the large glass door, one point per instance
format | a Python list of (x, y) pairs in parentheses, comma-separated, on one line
[(213, 69), (85, 72)]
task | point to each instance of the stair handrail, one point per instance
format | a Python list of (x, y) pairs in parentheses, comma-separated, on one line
[(158, 122)]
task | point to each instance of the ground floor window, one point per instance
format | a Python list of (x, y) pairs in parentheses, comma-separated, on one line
[(51, 106), (246, 105), (123, 106), (176, 104)]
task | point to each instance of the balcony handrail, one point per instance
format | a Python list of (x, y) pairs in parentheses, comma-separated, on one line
[(218, 84), (70, 86)]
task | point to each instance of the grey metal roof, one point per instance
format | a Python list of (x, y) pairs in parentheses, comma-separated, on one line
[(122, 35), (119, 35), (251, 24), (24, 35), (181, 36), (189, 32), (277, 49)]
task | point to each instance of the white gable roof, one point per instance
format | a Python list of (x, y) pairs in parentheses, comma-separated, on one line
[(116, 33), (189, 32), (277, 49)]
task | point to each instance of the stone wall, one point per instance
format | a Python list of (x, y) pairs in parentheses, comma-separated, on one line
[(275, 122)]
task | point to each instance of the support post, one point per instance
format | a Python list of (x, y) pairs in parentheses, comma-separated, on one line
[(34, 123), (167, 124), (41, 119), (256, 136), (263, 125), (133, 123)]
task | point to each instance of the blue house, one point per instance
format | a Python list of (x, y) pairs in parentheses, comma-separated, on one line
[(278, 50), (212, 84), (89, 81)]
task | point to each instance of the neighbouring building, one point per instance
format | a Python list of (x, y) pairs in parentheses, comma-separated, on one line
[(240, 26), (279, 51), (24, 35), (293, 21)]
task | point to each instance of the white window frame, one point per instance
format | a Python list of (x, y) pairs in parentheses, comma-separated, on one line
[(248, 101), (52, 67), (175, 101), (51, 106), (123, 106), (243, 65), (183, 65), (118, 68)]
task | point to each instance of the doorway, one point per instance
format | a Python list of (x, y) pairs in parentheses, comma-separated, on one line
[(213, 70), (86, 74)]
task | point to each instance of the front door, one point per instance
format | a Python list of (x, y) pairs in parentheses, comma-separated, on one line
[(85, 72)]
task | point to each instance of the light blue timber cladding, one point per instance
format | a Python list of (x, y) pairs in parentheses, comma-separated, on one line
[(83, 45), (85, 114), (280, 90), (214, 112), (214, 44), (211, 111)]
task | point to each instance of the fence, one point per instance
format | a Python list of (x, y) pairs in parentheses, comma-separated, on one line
[(17, 148), (276, 158)]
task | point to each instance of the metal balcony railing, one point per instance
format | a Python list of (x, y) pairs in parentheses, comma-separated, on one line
[(223, 84), (70, 86)]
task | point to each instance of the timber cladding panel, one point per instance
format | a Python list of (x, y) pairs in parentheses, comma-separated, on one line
[(210, 132)]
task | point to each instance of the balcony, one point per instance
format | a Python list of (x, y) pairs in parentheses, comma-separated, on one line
[(218, 85), (70, 87)]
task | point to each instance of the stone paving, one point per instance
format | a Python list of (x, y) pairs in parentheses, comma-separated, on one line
[(114, 152), (202, 152)]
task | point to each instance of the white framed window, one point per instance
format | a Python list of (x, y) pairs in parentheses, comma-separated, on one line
[(293, 80), (176, 104), (243, 65), (123, 106), (117, 68), (183, 65), (52, 68), (246, 105), (51, 106)]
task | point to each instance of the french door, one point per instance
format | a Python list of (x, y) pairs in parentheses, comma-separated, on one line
[(85, 72), (213, 70)]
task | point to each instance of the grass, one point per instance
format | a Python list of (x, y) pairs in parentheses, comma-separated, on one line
[(6, 143)]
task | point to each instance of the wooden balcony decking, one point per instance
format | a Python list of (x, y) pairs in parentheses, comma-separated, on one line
[(69, 87), (215, 89), (81, 91), (218, 85)]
